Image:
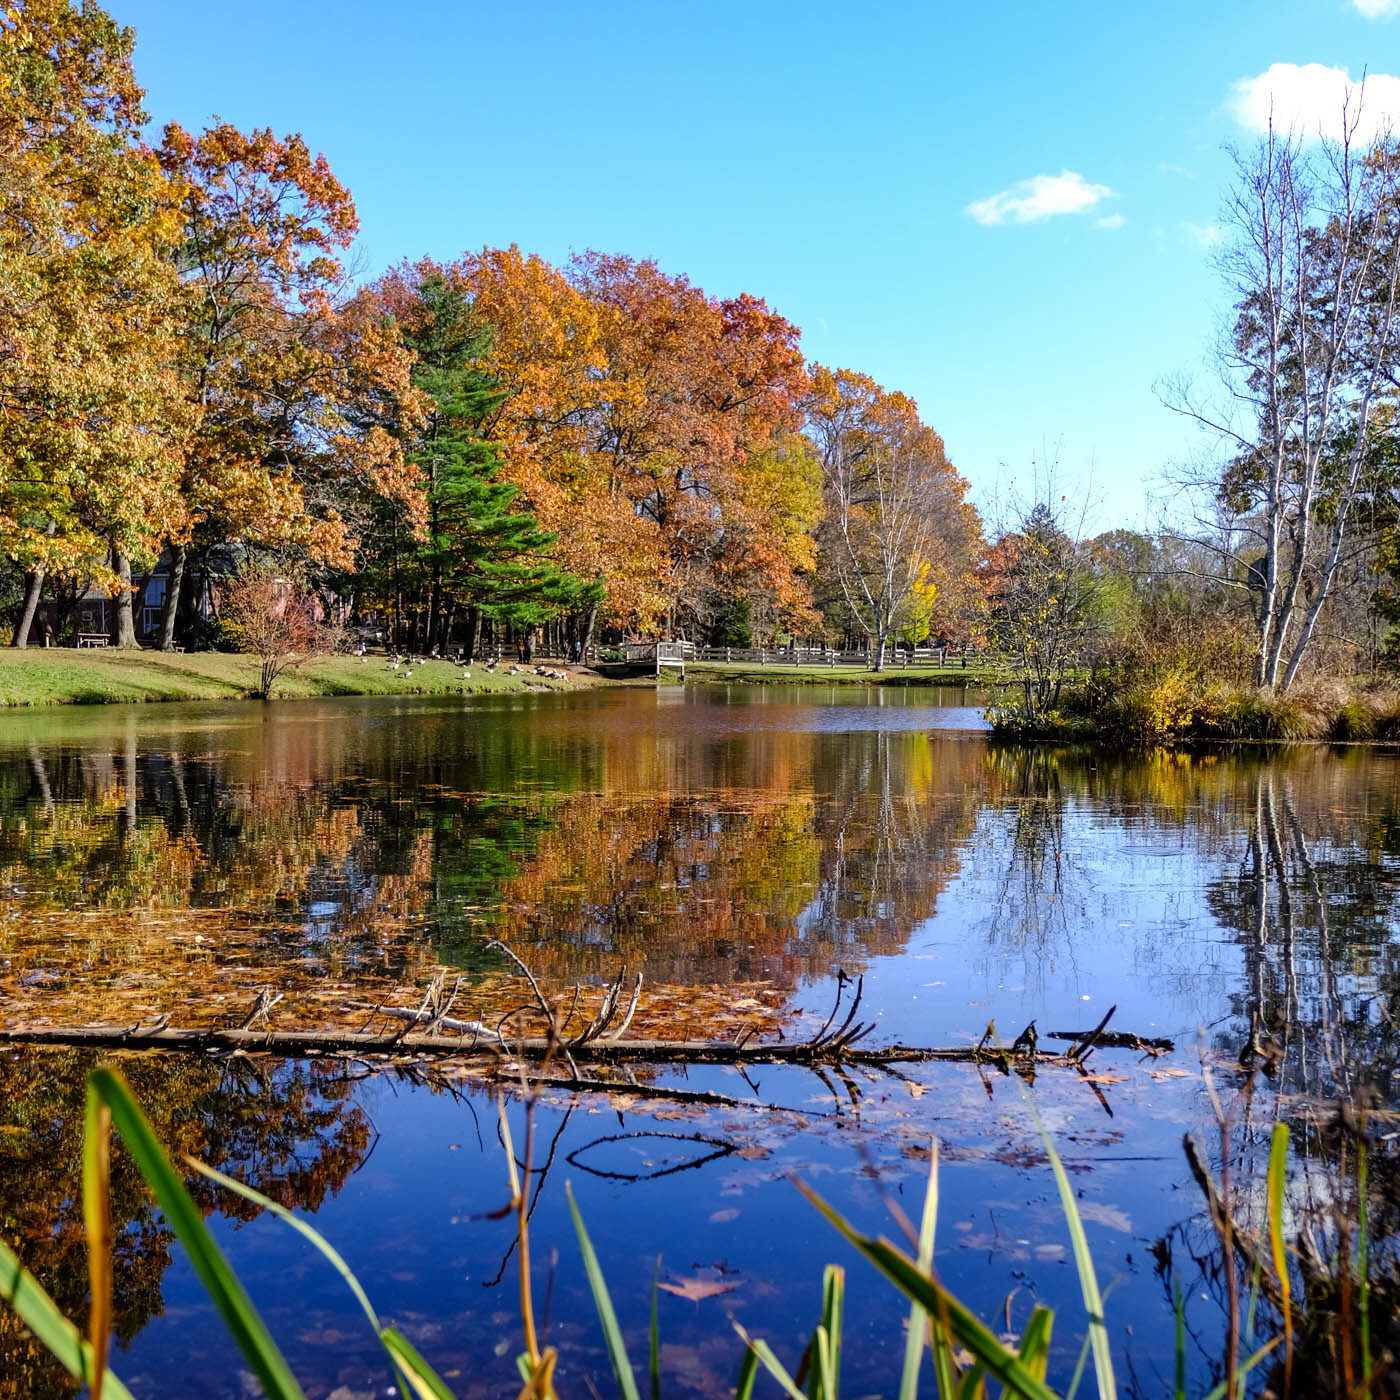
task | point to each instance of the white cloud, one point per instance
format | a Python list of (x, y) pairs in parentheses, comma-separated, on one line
[(1110, 221), (1040, 197), (1378, 9), (1308, 99), (1205, 235)]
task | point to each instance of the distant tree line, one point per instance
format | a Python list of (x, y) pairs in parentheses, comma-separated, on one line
[(192, 386)]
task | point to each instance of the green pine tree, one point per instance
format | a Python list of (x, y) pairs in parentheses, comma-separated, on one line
[(484, 556)]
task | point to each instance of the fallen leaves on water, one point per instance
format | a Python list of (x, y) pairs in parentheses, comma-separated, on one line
[(697, 1288)]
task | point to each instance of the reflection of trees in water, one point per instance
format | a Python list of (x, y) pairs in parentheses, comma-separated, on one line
[(1029, 800), (830, 852), (295, 1134), (1313, 905), (765, 856)]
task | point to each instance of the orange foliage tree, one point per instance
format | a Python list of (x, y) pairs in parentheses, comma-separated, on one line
[(299, 388), (649, 425), (90, 411)]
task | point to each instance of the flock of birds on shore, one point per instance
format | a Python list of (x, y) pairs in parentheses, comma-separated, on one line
[(402, 666)]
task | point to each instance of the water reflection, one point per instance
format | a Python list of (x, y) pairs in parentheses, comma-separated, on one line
[(293, 1131), (738, 850)]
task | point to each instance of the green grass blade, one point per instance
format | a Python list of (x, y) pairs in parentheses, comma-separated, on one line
[(1278, 1179), (602, 1302), (973, 1385), (748, 1373), (1034, 1350), (775, 1368), (819, 1386), (240, 1188), (833, 1309), (97, 1218), (986, 1348), (1245, 1367), (332, 1254), (423, 1381), (918, 1318), (1084, 1263), (228, 1295), (654, 1344), (21, 1290), (1078, 1370)]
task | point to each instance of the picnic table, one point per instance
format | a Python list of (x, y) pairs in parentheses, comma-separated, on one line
[(93, 639)]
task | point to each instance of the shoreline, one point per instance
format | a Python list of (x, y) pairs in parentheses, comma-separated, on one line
[(44, 678)]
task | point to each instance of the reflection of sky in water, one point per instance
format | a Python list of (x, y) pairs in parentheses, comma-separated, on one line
[(709, 837)]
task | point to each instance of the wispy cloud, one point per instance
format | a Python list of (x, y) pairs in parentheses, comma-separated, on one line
[(1168, 167), (1205, 235), (1378, 9), (1110, 221), (1309, 99), (1040, 197)]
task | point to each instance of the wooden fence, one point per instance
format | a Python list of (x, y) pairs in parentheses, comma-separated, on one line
[(675, 655)]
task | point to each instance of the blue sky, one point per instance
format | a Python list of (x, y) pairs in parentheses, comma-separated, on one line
[(860, 167)]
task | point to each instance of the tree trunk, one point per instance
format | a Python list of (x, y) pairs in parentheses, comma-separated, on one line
[(33, 587), (589, 622), (473, 633), (171, 606), (123, 624)]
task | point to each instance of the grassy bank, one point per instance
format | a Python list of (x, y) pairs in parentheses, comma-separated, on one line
[(1170, 707), (742, 673), (60, 676)]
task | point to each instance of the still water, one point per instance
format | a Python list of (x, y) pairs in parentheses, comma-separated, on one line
[(746, 849)]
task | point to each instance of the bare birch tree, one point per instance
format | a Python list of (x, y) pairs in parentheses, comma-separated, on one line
[(1315, 271)]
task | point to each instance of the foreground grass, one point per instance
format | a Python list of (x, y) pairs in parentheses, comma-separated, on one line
[(967, 1357), (62, 676), (745, 673)]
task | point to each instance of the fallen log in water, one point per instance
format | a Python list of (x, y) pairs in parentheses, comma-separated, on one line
[(600, 1041), (312, 1042)]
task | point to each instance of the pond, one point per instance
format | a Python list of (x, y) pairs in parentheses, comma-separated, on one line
[(748, 850)]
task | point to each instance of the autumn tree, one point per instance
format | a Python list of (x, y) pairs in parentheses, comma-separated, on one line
[(300, 388), (898, 535), (482, 555), (641, 419), (90, 411), (270, 615)]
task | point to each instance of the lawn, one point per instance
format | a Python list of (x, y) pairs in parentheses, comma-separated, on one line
[(64, 676)]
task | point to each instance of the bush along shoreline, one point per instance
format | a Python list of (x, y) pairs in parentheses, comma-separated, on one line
[(1172, 708)]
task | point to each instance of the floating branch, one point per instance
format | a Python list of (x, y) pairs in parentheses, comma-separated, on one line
[(600, 1042), (481, 1042)]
